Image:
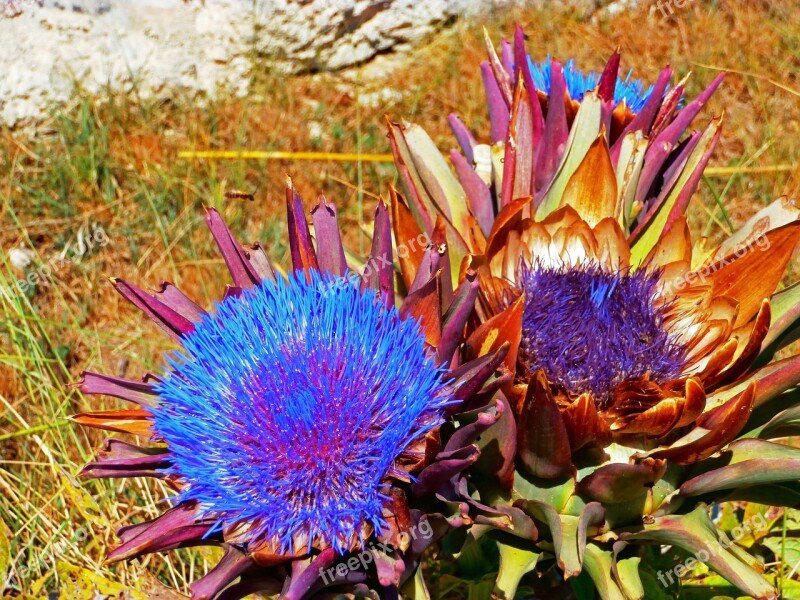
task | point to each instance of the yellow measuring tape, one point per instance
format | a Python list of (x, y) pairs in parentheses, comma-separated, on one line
[(387, 158)]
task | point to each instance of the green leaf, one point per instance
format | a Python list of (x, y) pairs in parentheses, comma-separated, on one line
[(647, 240), (515, 562), (627, 574), (480, 590), (785, 327), (552, 492), (696, 534), (568, 532), (82, 584), (785, 550), (771, 381), (775, 495), (782, 424), (629, 166), (415, 588), (746, 474), (597, 562), (653, 590), (583, 586), (437, 177), (5, 552), (477, 558), (584, 132)]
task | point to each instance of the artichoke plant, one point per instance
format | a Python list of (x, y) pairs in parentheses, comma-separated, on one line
[(298, 416), (645, 382), (591, 151)]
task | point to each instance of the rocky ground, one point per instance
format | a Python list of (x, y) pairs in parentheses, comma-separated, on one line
[(51, 47)]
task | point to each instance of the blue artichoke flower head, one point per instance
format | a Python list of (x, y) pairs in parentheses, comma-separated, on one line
[(632, 91), (290, 404)]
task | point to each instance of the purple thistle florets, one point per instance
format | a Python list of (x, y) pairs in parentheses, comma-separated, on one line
[(288, 407), (590, 329)]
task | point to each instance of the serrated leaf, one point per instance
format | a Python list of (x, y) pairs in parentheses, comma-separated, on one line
[(786, 550), (82, 584), (83, 501)]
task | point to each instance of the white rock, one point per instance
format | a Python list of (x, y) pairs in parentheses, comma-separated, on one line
[(21, 257), (315, 130), (157, 46)]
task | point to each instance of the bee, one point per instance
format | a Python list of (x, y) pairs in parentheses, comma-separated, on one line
[(239, 195)]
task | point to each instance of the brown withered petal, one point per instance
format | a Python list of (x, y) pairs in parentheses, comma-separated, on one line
[(407, 235), (495, 296), (675, 245), (714, 429), (424, 305), (518, 167), (634, 396), (136, 422), (507, 219), (592, 189), (714, 363), (695, 402), (750, 341), (584, 424), (504, 328), (667, 414), (542, 439), (612, 249), (754, 275)]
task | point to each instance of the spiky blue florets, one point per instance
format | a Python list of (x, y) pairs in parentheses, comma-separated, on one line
[(632, 91), (591, 329), (289, 405)]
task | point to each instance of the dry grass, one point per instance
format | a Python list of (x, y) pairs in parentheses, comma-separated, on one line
[(113, 162)]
